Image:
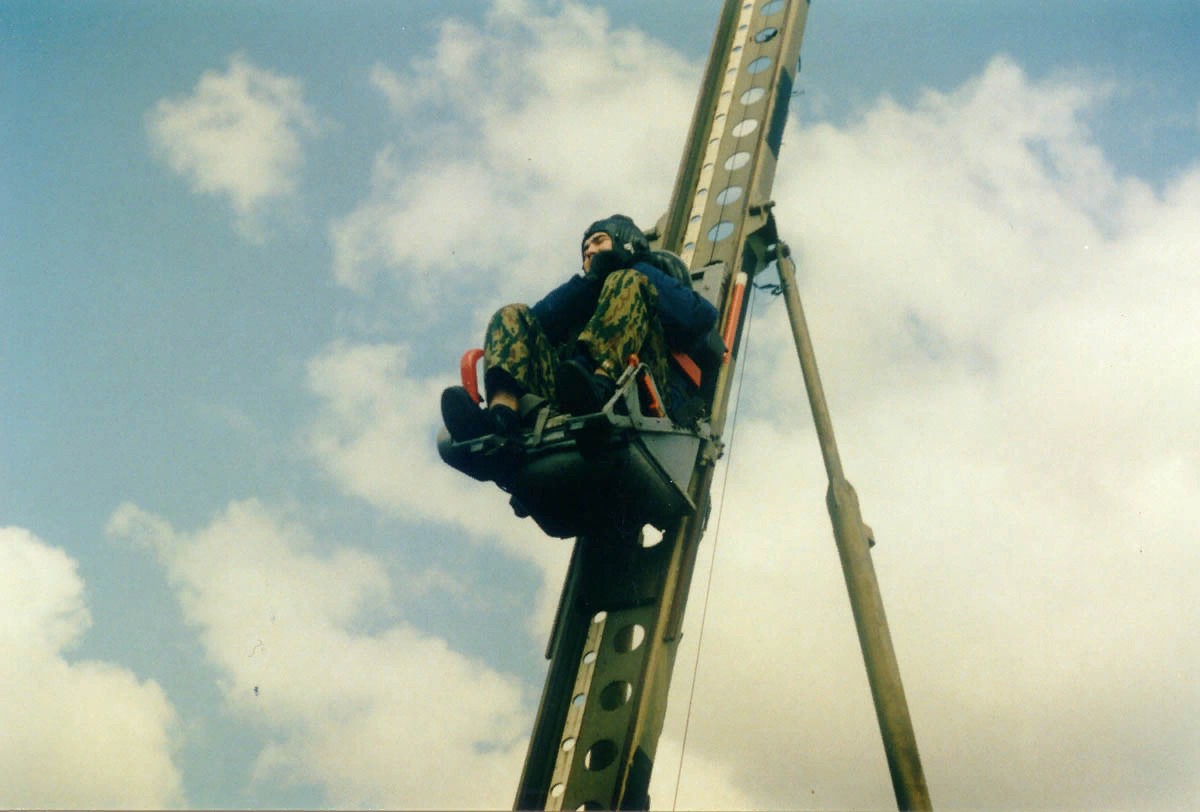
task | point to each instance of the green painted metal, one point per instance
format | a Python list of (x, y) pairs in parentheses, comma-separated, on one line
[(854, 539)]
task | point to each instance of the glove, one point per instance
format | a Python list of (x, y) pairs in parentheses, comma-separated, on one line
[(605, 262)]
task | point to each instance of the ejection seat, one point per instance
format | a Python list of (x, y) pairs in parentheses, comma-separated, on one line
[(617, 469)]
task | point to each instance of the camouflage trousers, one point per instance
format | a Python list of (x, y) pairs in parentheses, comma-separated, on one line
[(517, 350)]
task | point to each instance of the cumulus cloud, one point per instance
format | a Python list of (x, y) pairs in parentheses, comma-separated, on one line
[(1004, 328), (74, 734), (354, 699), (1004, 325), (515, 136), (238, 135), (702, 783), (374, 433)]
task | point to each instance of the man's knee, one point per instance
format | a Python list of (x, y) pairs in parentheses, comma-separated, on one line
[(631, 293), (509, 322), (513, 310), (511, 314), (624, 280)]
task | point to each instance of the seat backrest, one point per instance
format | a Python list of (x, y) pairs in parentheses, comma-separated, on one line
[(466, 369), (670, 264)]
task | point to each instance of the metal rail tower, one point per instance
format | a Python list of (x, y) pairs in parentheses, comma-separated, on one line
[(613, 646)]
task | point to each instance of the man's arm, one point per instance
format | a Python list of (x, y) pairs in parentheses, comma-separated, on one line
[(685, 315), (570, 304)]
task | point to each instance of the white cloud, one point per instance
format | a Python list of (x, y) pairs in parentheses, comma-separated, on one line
[(703, 784), (239, 136), (1005, 326), (516, 136), (388, 718), (1006, 334), (375, 434), (74, 734)]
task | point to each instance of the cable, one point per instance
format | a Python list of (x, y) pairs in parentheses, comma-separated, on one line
[(713, 557)]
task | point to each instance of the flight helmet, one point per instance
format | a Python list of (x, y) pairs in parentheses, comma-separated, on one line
[(625, 234)]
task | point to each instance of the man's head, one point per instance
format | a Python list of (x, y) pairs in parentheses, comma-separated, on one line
[(622, 233)]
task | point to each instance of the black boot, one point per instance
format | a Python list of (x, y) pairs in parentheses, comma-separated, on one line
[(466, 421), (580, 391)]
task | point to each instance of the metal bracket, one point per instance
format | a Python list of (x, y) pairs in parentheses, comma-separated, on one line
[(760, 209), (712, 451)]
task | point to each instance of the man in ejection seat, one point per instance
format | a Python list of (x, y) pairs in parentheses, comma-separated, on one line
[(572, 345)]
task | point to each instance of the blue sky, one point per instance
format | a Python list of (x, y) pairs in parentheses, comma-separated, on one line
[(245, 244)]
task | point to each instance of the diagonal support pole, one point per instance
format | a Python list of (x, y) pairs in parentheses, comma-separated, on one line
[(853, 539)]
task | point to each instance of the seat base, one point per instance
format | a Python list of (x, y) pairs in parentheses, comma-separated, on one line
[(575, 475)]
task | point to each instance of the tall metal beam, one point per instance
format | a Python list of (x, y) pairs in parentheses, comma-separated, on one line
[(612, 651), (853, 538)]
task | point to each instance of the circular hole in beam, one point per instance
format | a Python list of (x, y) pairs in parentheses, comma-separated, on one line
[(737, 160), (744, 127), (759, 65), (773, 7), (615, 694), (600, 755), (720, 231), (766, 35), (630, 637), (752, 95), (729, 195)]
